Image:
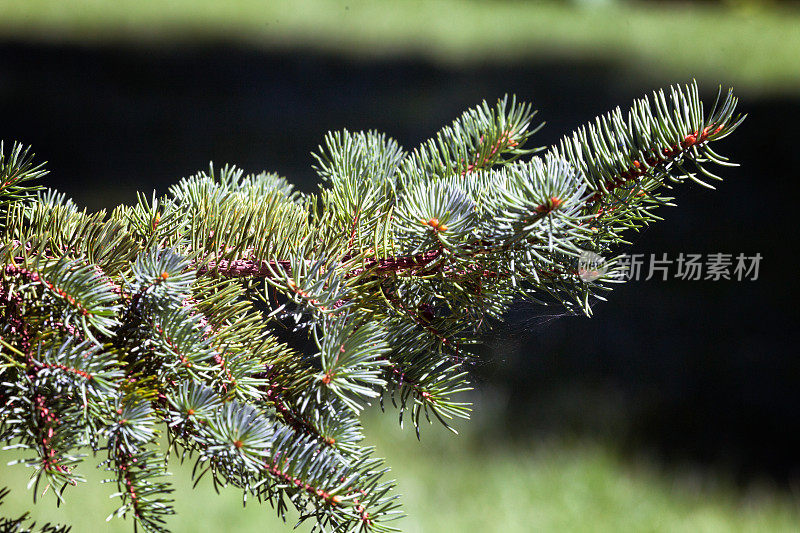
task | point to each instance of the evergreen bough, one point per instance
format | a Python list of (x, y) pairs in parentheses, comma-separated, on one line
[(150, 330)]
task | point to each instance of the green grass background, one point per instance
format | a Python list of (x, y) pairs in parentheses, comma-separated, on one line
[(753, 45), (474, 482), (478, 481)]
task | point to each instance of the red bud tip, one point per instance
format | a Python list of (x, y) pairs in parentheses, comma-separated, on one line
[(435, 224), (553, 204)]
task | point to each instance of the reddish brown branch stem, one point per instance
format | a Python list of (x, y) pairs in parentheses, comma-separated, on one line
[(65, 368), (273, 469), (45, 419), (291, 419), (124, 466), (655, 158), (243, 268), (504, 142)]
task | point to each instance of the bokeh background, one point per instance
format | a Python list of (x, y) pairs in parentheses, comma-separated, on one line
[(675, 408)]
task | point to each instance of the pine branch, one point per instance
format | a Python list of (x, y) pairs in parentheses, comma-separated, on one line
[(16, 172), (160, 318)]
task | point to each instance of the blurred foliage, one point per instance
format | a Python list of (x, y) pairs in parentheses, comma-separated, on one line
[(751, 45), (451, 484)]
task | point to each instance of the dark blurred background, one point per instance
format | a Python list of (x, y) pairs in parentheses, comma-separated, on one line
[(691, 372)]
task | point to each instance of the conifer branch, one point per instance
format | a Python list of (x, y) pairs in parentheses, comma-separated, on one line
[(159, 318)]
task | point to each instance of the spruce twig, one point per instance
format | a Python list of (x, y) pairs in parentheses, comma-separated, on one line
[(158, 318)]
